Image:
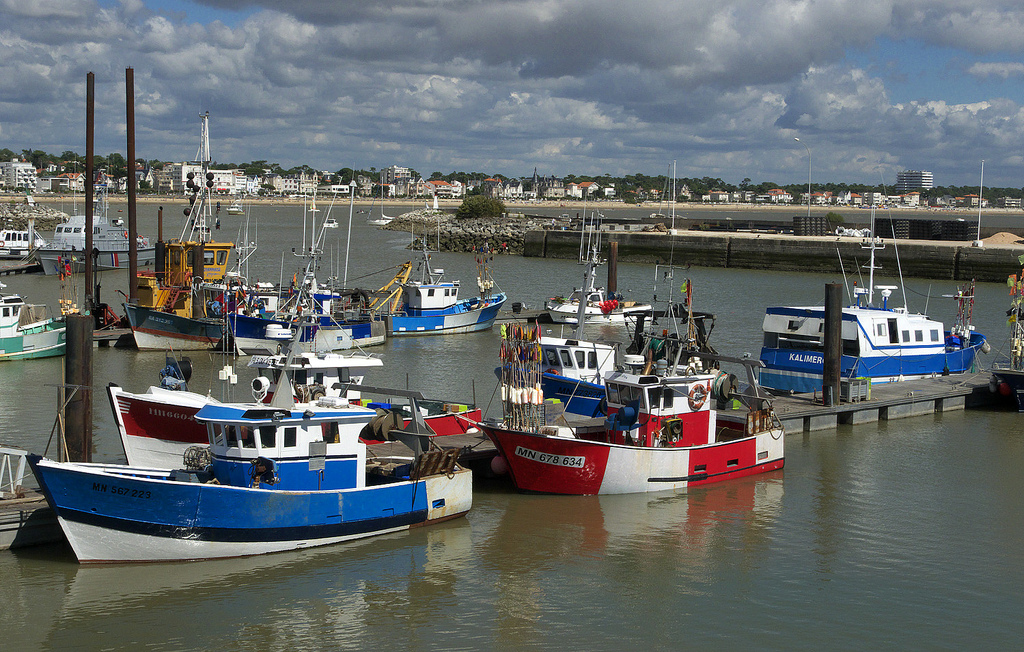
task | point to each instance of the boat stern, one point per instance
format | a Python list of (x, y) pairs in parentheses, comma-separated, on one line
[(449, 495)]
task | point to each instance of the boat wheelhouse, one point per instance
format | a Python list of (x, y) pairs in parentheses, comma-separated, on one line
[(15, 243), (27, 331), (432, 306), (881, 343)]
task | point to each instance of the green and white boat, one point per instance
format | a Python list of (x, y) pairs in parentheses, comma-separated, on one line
[(26, 331)]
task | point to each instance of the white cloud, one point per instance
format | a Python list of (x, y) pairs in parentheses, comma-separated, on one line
[(583, 86), (1003, 69)]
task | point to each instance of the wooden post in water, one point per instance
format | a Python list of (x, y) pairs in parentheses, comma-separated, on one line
[(90, 101), (78, 378), (613, 266), (833, 344), (160, 256), (133, 246)]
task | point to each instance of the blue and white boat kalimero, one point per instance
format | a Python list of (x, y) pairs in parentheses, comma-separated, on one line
[(432, 306), (881, 343), (273, 478)]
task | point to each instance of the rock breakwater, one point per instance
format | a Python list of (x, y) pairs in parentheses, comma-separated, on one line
[(16, 216), (502, 234)]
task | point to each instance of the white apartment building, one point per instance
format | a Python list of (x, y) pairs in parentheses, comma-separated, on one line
[(908, 180), (17, 174)]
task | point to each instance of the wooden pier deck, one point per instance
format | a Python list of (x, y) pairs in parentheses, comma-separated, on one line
[(27, 521), (805, 413)]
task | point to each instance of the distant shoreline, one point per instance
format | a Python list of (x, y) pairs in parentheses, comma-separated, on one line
[(524, 206)]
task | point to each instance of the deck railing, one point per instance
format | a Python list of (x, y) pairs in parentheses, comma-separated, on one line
[(12, 470)]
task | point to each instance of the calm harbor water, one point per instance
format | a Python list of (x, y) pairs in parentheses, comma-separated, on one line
[(903, 534)]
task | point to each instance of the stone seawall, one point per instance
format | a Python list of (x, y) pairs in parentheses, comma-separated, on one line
[(956, 261)]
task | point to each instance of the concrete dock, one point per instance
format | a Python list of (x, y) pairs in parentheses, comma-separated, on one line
[(948, 260)]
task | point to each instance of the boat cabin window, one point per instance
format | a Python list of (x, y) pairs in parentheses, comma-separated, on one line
[(78, 229), (566, 358), (319, 378), (550, 357), (218, 434), (299, 377), (794, 325), (268, 436), (430, 292), (592, 359), (919, 336), (581, 359), (660, 397), (935, 335), (231, 435), (906, 337), (623, 394), (330, 432), (880, 329), (95, 230), (222, 257), (246, 437), (7, 312), (289, 437), (208, 257), (894, 334)]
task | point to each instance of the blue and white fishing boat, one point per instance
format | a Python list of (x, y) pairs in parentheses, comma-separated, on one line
[(432, 306), (26, 331), (332, 323), (273, 478), (881, 343)]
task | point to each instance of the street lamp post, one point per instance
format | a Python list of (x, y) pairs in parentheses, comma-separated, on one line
[(808, 174), (981, 193)]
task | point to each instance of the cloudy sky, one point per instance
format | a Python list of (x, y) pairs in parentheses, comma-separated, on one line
[(506, 86)]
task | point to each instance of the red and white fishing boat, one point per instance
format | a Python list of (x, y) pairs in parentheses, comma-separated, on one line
[(664, 431), (156, 426)]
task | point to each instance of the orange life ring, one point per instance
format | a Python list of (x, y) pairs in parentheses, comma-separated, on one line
[(552, 371), (698, 394)]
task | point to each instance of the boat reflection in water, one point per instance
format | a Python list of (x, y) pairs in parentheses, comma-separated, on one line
[(624, 539), (335, 596)]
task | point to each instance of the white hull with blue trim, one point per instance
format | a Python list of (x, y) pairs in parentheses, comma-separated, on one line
[(276, 479), (432, 306), (885, 345)]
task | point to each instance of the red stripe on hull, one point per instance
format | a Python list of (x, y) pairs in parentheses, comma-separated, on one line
[(742, 472), (551, 464), (161, 421)]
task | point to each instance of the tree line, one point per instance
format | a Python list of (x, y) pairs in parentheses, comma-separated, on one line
[(628, 188)]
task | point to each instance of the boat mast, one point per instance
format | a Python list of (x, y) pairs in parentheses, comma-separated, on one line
[(202, 188)]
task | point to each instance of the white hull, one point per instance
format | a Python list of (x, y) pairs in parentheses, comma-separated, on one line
[(153, 342), (94, 544), (569, 314)]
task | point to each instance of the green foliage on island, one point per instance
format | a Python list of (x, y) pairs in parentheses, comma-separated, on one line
[(480, 206)]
